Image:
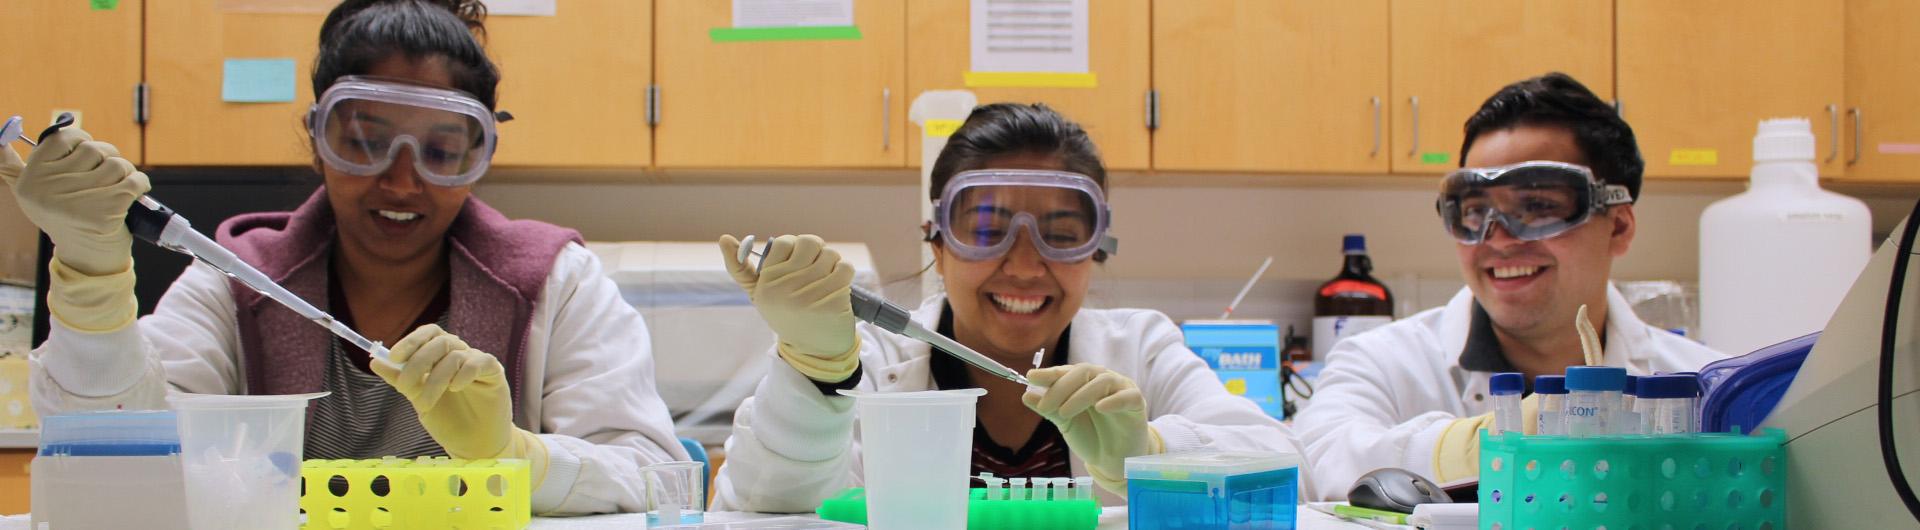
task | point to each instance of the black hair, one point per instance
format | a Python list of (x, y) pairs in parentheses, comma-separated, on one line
[(360, 33), (1008, 129), (1556, 99)]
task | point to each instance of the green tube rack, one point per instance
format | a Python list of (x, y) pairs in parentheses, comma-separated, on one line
[(850, 506), (1633, 482), (428, 492)]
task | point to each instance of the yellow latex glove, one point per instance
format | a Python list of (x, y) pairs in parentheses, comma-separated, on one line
[(462, 397), (1100, 413), (1457, 455), (804, 292), (77, 190)]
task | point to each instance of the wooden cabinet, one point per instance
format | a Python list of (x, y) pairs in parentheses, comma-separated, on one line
[(1696, 78), (1883, 122), (62, 55), (1450, 55), (779, 104), (1271, 86), (576, 84), (1114, 113), (188, 43)]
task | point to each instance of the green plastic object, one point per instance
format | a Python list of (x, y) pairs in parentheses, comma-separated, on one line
[(1621, 482), (850, 506)]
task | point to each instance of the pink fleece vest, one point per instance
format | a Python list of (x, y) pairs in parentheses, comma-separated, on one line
[(497, 268)]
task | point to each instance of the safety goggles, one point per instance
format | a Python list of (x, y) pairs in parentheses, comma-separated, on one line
[(360, 124), (1531, 200), (1065, 214)]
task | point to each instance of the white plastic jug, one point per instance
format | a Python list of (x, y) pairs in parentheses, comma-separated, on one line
[(1776, 259)]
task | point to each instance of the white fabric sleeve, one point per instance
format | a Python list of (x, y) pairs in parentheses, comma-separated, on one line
[(1353, 425), (190, 343), (602, 417), (792, 446)]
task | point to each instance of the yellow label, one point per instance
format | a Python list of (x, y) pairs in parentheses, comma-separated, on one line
[(940, 128), (1694, 157), (1030, 80), (1237, 386)]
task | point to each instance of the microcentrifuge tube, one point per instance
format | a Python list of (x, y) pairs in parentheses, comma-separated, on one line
[(1018, 490), (1083, 487)]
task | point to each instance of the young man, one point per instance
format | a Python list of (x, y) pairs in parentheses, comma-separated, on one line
[(1542, 206)]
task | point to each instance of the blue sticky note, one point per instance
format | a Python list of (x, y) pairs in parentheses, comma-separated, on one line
[(258, 81)]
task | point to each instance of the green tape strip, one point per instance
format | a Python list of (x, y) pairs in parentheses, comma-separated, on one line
[(103, 5), (798, 33), (1435, 158)]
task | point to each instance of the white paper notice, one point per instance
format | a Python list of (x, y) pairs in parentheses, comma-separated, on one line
[(524, 8), (792, 13), (1030, 36)]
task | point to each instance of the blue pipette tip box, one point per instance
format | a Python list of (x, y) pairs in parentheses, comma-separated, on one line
[(1213, 490), (110, 433)]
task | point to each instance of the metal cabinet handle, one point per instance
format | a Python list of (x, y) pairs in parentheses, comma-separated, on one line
[(1376, 128), (1415, 117), (1857, 139), (1833, 143), (886, 119)]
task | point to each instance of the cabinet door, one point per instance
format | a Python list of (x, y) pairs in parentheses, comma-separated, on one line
[(1696, 78), (188, 44), (1450, 55), (61, 55), (1114, 113), (1259, 85), (779, 103), (1884, 134), (576, 84)]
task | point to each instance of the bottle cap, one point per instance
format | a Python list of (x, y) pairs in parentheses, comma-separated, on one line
[(1669, 386), (1631, 389), (1506, 383), (1550, 384), (1596, 378), (1783, 140), (1354, 244)]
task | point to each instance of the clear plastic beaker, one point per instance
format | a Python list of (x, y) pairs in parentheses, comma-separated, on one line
[(675, 489), (241, 458), (916, 447)]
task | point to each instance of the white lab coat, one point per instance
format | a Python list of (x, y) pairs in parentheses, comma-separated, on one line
[(1386, 394), (793, 446), (589, 377)]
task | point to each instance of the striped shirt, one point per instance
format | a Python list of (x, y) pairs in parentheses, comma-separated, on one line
[(364, 417)]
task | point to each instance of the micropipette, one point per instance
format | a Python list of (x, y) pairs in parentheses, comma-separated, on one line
[(154, 223), (877, 310)]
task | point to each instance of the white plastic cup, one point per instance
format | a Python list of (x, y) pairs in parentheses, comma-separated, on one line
[(675, 490), (241, 458), (916, 447)]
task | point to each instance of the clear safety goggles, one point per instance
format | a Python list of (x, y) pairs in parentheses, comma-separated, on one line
[(1531, 200), (980, 214), (360, 124)]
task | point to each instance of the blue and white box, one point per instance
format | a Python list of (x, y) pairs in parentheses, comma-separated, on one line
[(1246, 356)]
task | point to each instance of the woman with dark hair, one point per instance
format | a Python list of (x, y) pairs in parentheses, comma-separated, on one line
[(1021, 196), (507, 340)]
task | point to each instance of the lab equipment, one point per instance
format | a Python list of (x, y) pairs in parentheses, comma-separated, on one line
[(1457, 516), (1352, 302), (1593, 394), (1245, 355), (777, 523), (424, 492), (1051, 506), (1532, 200), (676, 492), (1244, 289), (241, 458), (916, 447), (1213, 490), (360, 124), (1776, 259), (1505, 389), (11, 130), (131, 458), (876, 310), (1553, 404), (1065, 215), (1667, 404), (1396, 490), (1703, 481), (1739, 392), (1667, 305), (1351, 512)]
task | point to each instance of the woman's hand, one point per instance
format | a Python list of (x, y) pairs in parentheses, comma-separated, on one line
[(1101, 414)]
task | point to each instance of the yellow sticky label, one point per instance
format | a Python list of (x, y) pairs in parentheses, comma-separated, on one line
[(941, 128), (1694, 157), (16, 411), (1030, 80), (1237, 386)]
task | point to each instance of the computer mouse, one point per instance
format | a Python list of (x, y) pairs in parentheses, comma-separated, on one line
[(1394, 490)]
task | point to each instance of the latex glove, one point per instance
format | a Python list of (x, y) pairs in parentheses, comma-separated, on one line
[(1101, 414), (1457, 454), (804, 292), (78, 191), (462, 397)]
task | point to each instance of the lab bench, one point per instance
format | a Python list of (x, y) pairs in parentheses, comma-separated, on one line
[(1111, 519)]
